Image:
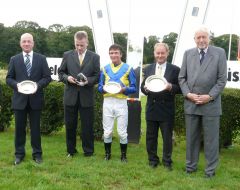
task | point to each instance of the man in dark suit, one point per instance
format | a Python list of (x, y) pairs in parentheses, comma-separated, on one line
[(28, 65), (202, 78), (79, 95), (160, 107)]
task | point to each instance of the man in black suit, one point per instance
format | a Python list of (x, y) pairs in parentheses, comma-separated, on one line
[(79, 95), (28, 65), (160, 107)]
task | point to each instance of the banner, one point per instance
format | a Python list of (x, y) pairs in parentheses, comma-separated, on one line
[(101, 25)]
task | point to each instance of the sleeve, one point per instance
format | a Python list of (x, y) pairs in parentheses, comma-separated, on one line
[(101, 81), (93, 79), (222, 76), (182, 77), (132, 83), (63, 71), (46, 74), (11, 75)]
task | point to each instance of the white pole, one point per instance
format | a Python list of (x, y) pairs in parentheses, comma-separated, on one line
[(230, 35)]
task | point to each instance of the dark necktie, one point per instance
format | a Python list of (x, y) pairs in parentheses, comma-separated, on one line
[(28, 64), (202, 55)]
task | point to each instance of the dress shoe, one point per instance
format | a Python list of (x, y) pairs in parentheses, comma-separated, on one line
[(38, 160), (210, 175), (18, 161), (107, 156), (88, 154), (153, 164)]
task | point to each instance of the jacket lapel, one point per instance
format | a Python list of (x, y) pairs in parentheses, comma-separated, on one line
[(207, 59), (86, 59)]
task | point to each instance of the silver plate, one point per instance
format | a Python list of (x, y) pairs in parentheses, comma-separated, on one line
[(156, 83), (27, 87), (112, 87)]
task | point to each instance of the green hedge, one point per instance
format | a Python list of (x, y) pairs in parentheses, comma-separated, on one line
[(52, 119), (230, 119)]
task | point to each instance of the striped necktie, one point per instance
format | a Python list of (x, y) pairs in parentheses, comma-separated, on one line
[(28, 64), (202, 55)]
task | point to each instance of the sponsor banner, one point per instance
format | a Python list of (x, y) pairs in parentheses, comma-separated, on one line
[(233, 74), (54, 64)]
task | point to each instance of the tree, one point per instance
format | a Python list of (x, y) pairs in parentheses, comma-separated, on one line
[(223, 42), (171, 40), (121, 39), (148, 56)]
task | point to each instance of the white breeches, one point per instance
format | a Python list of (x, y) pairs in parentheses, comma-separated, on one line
[(115, 108)]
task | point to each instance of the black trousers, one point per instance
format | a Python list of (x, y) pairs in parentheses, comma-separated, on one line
[(87, 135), (166, 128), (20, 131)]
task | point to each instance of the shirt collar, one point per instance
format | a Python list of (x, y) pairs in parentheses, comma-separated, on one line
[(30, 53), (205, 50), (163, 64)]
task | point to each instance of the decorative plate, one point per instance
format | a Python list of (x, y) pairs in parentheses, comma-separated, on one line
[(112, 87), (156, 83), (27, 87)]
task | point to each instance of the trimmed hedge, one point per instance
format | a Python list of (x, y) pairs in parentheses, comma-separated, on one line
[(53, 115), (52, 118), (230, 119)]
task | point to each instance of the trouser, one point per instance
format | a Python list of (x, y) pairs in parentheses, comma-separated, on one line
[(20, 131), (166, 128), (210, 126), (115, 108), (87, 134)]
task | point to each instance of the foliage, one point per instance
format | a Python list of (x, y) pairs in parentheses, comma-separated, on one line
[(171, 40), (230, 119), (121, 39), (149, 43), (5, 106), (52, 119), (223, 42)]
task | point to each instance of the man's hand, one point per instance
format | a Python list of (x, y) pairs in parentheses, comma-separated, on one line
[(192, 97), (203, 99), (82, 83), (199, 99), (169, 86), (146, 89), (71, 80)]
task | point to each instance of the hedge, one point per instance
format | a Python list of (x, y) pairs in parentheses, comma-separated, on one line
[(230, 119), (52, 118), (53, 115)]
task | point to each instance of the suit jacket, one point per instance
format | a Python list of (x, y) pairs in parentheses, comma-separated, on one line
[(208, 78), (161, 106), (17, 72), (70, 67)]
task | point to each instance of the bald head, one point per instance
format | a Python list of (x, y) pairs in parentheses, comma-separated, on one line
[(26, 42)]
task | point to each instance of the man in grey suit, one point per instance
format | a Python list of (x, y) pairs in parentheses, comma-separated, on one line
[(202, 78), (79, 94)]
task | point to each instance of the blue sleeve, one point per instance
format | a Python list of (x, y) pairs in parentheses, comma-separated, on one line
[(101, 82), (132, 83)]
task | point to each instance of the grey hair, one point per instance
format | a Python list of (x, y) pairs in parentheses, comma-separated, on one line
[(202, 29), (80, 35), (161, 44)]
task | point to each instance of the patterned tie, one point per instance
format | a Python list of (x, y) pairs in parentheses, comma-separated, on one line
[(202, 55), (159, 70), (80, 59), (28, 64)]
